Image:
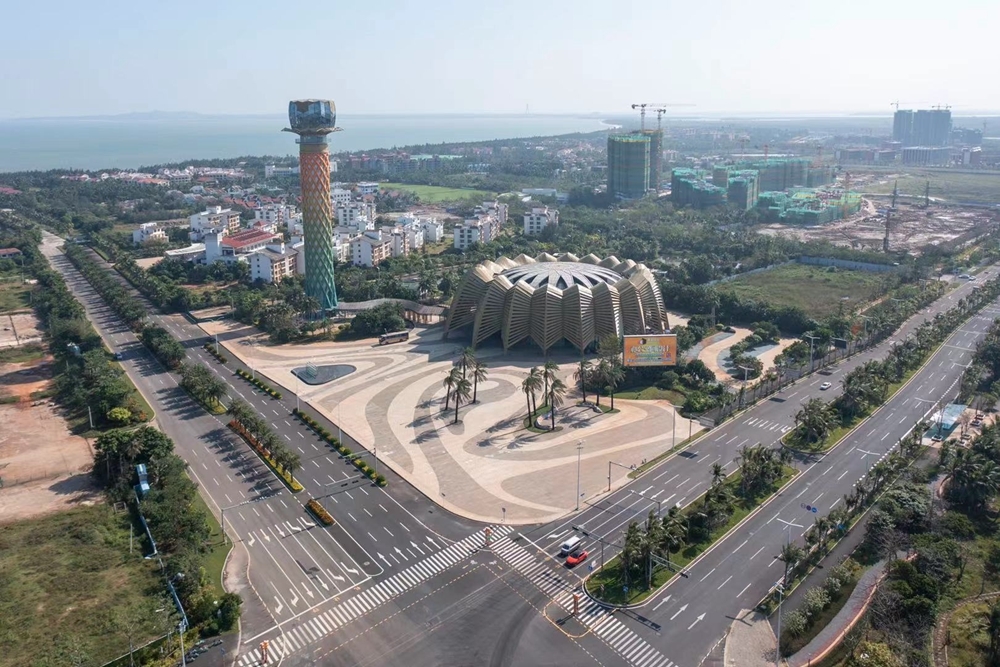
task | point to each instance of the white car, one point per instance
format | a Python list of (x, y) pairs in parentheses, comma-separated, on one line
[(825, 386)]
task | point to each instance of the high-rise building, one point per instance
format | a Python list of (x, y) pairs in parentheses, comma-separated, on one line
[(655, 157), (312, 120), (902, 126), (628, 165), (925, 127)]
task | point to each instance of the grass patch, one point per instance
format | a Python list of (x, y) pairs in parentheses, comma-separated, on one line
[(611, 575), (68, 574), (215, 559), (946, 185), (434, 194), (529, 422), (815, 290), (651, 393), (22, 354), (14, 295)]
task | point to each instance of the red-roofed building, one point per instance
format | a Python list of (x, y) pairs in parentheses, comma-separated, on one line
[(235, 247)]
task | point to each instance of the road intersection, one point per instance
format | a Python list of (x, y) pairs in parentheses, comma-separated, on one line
[(400, 581)]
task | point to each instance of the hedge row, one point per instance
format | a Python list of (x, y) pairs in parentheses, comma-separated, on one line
[(290, 481), (210, 348), (346, 452), (263, 386), (320, 512)]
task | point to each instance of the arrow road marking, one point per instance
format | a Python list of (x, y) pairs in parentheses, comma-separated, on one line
[(414, 544), (280, 531), (384, 558), (434, 543), (295, 598), (552, 536), (678, 612), (267, 537), (309, 593), (700, 618), (347, 569), (666, 599), (334, 576), (280, 606), (252, 540)]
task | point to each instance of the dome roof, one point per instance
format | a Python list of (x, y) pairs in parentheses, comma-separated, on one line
[(561, 274), (548, 299)]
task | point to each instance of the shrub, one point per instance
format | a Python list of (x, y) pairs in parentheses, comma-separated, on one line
[(346, 451), (380, 479), (816, 599), (795, 623), (120, 416), (832, 584), (320, 512)]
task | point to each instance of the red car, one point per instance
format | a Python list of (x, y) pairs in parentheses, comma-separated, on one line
[(576, 558)]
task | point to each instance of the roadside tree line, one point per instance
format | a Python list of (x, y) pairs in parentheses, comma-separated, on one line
[(867, 386), (267, 441)]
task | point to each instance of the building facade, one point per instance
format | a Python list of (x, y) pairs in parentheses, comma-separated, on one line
[(538, 219), (148, 232), (272, 263), (216, 217), (628, 165)]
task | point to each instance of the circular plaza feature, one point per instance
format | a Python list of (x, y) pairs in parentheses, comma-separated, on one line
[(548, 298)]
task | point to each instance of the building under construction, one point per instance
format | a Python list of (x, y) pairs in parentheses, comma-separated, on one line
[(628, 164), (805, 206), (655, 157), (724, 186), (781, 173)]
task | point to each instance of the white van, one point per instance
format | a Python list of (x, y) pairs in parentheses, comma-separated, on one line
[(569, 545)]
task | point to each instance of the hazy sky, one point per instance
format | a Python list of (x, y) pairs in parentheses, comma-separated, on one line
[(61, 58)]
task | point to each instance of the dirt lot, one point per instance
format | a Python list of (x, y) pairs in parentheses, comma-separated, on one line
[(911, 227), (42, 465)]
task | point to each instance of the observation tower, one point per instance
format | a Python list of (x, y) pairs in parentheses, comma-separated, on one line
[(312, 120)]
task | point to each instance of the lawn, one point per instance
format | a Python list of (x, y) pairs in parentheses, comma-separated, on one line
[(946, 185), (14, 295), (22, 354), (433, 194), (814, 289), (789, 646), (64, 579), (652, 393), (215, 560)]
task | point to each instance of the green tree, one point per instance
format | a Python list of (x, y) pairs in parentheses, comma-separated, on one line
[(582, 374), (449, 382), (479, 374), (815, 420), (557, 393), (463, 392)]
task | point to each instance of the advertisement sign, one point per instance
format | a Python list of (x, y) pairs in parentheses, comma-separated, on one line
[(651, 350)]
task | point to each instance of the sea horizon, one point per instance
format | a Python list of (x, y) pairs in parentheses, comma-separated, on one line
[(132, 141)]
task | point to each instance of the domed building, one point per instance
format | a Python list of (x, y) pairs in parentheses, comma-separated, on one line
[(550, 298)]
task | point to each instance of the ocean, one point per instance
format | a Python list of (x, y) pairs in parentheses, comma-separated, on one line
[(131, 142)]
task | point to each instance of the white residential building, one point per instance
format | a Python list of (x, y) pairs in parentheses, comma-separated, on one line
[(484, 227), (272, 263), (340, 197), (271, 170), (433, 229), (352, 213), (368, 188), (494, 208), (235, 247), (214, 217), (148, 232), (275, 214), (538, 219), (370, 248)]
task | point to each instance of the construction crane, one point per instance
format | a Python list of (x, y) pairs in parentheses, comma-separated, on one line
[(658, 107), (895, 104), (941, 106)]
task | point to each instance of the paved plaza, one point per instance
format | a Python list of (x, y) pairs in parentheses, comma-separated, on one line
[(488, 461)]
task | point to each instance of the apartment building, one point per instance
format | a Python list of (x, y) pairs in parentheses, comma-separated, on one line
[(273, 263), (215, 217), (367, 188), (340, 197), (351, 213), (274, 214), (148, 232), (489, 219), (235, 247), (370, 248), (538, 219)]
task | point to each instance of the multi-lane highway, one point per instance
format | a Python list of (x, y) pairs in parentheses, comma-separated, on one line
[(400, 581)]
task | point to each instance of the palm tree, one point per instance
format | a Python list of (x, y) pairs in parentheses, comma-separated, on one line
[(718, 474), (651, 539), (533, 383), (479, 374), (449, 384), (600, 377), (292, 463), (790, 555), (632, 550), (581, 375), (467, 359), (815, 420), (528, 389), (557, 391), (549, 373), (674, 531), (463, 390), (615, 375), (214, 390), (240, 410)]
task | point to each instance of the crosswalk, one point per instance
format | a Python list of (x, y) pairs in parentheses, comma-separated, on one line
[(766, 425), (307, 632), (633, 648)]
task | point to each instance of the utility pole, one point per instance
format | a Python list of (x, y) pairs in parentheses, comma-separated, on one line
[(812, 340)]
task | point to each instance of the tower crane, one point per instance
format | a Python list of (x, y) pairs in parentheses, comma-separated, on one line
[(939, 107), (658, 107), (895, 104)]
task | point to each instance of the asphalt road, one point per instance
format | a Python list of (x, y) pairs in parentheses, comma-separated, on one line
[(400, 580)]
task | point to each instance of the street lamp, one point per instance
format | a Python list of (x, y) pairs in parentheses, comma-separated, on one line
[(865, 454), (620, 465), (781, 592), (811, 341), (746, 371), (579, 452)]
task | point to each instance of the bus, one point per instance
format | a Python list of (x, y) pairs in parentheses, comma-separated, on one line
[(395, 337)]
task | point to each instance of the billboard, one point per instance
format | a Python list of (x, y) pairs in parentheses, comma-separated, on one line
[(651, 350)]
